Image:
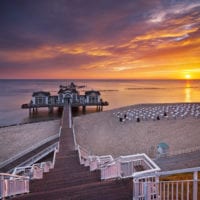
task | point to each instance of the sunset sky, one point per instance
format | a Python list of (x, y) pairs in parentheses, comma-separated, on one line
[(104, 39)]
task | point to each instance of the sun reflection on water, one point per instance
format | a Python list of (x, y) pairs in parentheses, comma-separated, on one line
[(188, 92)]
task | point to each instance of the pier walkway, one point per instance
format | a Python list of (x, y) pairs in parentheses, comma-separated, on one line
[(70, 180)]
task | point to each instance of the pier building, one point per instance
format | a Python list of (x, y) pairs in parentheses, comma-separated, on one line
[(67, 93)]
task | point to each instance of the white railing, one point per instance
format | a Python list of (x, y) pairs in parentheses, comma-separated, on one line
[(32, 170), (74, 137), (38, 156), (98, 162), (94, 162), (12, 159), (175, 190), (54, 155), (126, 166), (121, 167), (60, 129), (110, 171), (35, 171), (148, 186), (83, 155), (11, 185)]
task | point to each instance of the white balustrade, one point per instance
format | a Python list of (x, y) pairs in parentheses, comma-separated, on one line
[(148, 187), (11, 185)]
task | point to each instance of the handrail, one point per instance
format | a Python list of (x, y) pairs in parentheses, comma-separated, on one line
[(54, 155), (60, 129), (11, 185), (13, 175), (20, 169), (4, 163), (74, 137), (94, 162), (34, 171), (179, 171), (39, 155)]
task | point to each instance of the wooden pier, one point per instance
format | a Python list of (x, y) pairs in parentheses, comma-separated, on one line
[(66, 94), (70, 180)]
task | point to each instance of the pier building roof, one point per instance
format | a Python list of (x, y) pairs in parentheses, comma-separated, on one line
[(92, 92), (40, 93)]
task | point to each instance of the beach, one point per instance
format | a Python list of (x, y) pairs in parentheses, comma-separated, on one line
[(104, 134), (16, 139)]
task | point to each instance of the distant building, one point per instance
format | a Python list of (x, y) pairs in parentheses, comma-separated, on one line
[(40, 98), (53, 100), (92, 97), (67, 93)]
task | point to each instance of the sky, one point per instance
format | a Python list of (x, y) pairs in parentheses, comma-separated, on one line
[(100, 39)]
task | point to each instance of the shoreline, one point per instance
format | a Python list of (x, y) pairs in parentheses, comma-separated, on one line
[(30, 122)]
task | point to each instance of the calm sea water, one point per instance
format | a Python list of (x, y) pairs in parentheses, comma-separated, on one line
[(117, 92)]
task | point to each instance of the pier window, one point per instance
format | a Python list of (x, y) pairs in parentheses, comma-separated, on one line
[(40, 98)]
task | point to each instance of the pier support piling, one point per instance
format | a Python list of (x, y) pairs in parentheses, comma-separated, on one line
[(83, 109), (50, 109)]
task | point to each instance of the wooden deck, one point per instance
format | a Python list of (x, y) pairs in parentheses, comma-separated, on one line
[(69, 180)]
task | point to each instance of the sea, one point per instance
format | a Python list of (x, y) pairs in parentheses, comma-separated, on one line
[(119, 93)]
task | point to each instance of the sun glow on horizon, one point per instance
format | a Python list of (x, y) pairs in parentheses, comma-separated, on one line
[(187, 76)]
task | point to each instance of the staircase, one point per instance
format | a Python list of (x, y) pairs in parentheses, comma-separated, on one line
[(71, 181)]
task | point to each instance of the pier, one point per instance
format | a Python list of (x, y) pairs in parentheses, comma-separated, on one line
[(66, 94)]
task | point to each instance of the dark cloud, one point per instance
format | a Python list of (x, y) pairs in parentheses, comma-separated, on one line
[(48, 21), (32, 25), (58, 62)]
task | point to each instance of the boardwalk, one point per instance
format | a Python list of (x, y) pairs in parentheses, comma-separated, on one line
[(69, 180)]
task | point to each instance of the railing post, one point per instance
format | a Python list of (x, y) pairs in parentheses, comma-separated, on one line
[(2, 187), (74, 136), (195, 185), (135, 189), (157, 186), (70, 115), (79, 153)]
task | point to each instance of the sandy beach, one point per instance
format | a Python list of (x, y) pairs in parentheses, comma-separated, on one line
[(16, 139), (102, 133)]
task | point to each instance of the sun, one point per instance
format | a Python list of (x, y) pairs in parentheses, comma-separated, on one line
[(187, 76)]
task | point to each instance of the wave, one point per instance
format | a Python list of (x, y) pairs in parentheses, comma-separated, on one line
[(108, 90), (160, 88), (145, 88)]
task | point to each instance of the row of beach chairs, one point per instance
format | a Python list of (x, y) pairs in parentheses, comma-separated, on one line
[(158, 112)]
